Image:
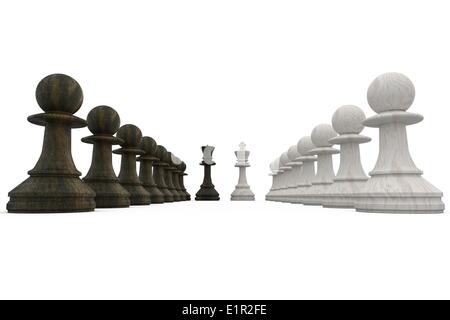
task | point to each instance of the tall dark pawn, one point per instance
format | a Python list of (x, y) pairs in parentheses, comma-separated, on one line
[(182, 168), (159, 173), (207, 191), (131, 136), (146, 169), (171, 184), (54, 184), (176, 178), (103, 122)]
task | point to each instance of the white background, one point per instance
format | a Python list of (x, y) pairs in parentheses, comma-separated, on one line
[(190, 73)]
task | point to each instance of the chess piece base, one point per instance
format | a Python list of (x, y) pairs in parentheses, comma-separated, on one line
[(156, 196), (39, 194), (342, 193), (399, 193), (242, 193), (138, 195), (109, 194), (207, 194)]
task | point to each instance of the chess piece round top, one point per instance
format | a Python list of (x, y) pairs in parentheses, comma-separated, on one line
[(59, 93), (348, 119), (293, 153), (321, 135), (161, 153), (176, 161), (391, 92), (182, 166), (284, 159), (305, 145), (131, 136), (103, 120), (149, 145)]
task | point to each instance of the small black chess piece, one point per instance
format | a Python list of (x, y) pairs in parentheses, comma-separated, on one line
[(169, 177), (103, 122), (176, 172), (146, 169), (182, 168), (207, 191), (54, 184), (131, 136), (159, 173)]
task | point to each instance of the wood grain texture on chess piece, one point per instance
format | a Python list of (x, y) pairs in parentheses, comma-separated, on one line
[(54, 184), (131, 137), (396, 185), (207, 190), (148, 145), (103, 122)]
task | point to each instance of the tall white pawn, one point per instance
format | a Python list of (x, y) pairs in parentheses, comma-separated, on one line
[(324, 178), (347, 121), (306, 176), (285, 172), (396, 184), (295, 165), (273, 174), (277, 180)]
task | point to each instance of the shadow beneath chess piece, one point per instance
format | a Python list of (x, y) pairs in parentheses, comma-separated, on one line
[(131, 136), (159, 173), (175, 178), (395, 185), (54, 184), (182, 168), (103, 122), (242, 191), (207, 191), (148, 145)]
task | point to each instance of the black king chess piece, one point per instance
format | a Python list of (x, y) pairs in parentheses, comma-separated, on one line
[(146, 169), (54, 184), (103, 122), (159, 173), (207, 191), (182, 168), (131, 136)]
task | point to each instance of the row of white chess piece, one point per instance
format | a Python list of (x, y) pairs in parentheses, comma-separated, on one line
[(395, 185)]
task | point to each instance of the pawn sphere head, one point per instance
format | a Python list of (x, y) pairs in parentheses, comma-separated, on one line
[(348, 119), (304, 145), (293, 153), (149, 145), (277, 163), (161, 152), (284, 159), (182, 166), (59, 93), (103, 120), (321, 134), (168, 158), (391, 92), (131, 136)]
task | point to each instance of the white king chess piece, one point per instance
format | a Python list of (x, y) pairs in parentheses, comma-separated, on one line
[(396, 184), (242, 191)]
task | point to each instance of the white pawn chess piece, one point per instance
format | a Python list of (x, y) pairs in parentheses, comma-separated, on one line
[(277, 179), (396, 185), (273, 174), (351, 178), (285, 172), (307, 173), (242, 191), (294, 175), (324, 177)]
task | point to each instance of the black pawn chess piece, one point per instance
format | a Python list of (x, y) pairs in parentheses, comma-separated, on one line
[(54, 184), (159, 173), (207, 191), (176, 178), (131, 136), (168, 171), (146, 169), (182, 169), (103, 122)]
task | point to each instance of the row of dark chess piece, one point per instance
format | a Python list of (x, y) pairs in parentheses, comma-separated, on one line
[(54, 184)]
